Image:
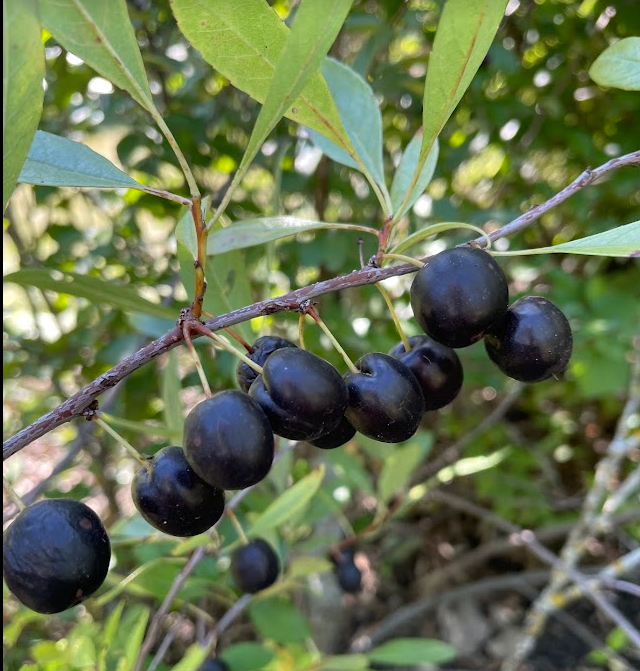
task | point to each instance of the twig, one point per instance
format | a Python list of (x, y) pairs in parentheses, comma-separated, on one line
[(79, 402)]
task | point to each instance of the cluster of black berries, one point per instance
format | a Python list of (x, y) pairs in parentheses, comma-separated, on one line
[(57, 552)]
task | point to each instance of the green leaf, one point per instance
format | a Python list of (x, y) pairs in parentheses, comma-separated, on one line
[(57, 161), (399, 467), (412, 651), (619, 65), (301, 567), (135, 634), (243, 41), (171, 386), (101, 34), (145, 428), (278, 619), (96, 290), (463, 37), (315, 27), (623, 241), (22, 91), (110, 630), (247, 656), (361, 118), (252, 232), (288, 504), (434, 229), (344, 663), (193, 658), (404, 174)]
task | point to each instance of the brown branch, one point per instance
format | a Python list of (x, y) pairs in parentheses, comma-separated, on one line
[(77, 405)]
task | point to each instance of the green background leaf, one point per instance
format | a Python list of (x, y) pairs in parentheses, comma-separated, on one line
[(278, 619), (412, 651), (619, 65), (22, 92)]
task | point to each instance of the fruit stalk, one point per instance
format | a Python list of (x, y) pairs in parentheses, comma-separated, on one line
[(11, 494), (327, 331), (119, 439)]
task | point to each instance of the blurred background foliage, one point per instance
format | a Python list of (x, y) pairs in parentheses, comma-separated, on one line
[(530, 123)]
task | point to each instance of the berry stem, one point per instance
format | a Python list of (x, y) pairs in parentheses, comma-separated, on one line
[(316, 317), (198, 365), (201, 328), (11, 493), (301, 330), (404, 259), (234, 334), (236, 523), (394, 316), (118, 438)]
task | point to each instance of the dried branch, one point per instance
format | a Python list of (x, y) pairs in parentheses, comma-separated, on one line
[(79, 403)]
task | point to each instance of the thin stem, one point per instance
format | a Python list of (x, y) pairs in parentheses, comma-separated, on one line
[(236, 523), (119, 439), (198, 364), (316, 317), (234, 334), (404, 259), (201, 260), (167, 195), (166, 131), (394, 316), (229, 347), (301, 330), (11, 493)]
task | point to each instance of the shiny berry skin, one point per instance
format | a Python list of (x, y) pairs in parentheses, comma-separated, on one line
[(56, 554), (385, 399), (228, 440), (533, 342), (458, 295), (262, 348), (173, 498), (254, 566), (214, 664), (303, 396), (437, 368), (342, 434), (348, 574)]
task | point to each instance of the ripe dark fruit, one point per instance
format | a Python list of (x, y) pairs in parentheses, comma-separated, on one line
[(214, 664), (254, 566), (228, 441), (385, 399), (56, 554), (263, 347), (458, 295), (348, 574), (173, 498), (342, 434), (533, 342), (303, 396), (437, 368)]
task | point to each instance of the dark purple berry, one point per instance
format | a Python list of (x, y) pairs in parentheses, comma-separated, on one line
[(262, 348), (254, 566)]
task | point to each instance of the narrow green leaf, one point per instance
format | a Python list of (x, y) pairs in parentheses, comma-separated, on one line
[(404, 175), (315, 27), (619, 65), (252, 232), (22, 91), (361, 118), (173, 417), (463, 37), (101, 34), (110, 630), (192, 659), (399, 467), (622, 241), (247, 656), (243, 41), (134, 640), (345, 663), (301, 567), (412, 651), (429, 231), (471, 465), (145, 428), (278, 619), (288, 504), (96, 290), (57, 161)]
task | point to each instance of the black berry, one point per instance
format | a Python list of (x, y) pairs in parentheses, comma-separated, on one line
[(532, 342), (348, 574), (173, 498), (228, 440), (303, 396), (56, 554), (385, 399), (342, 434), (262, 348), (254, 566), (214, 664), (437, 368), (458, 295)]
